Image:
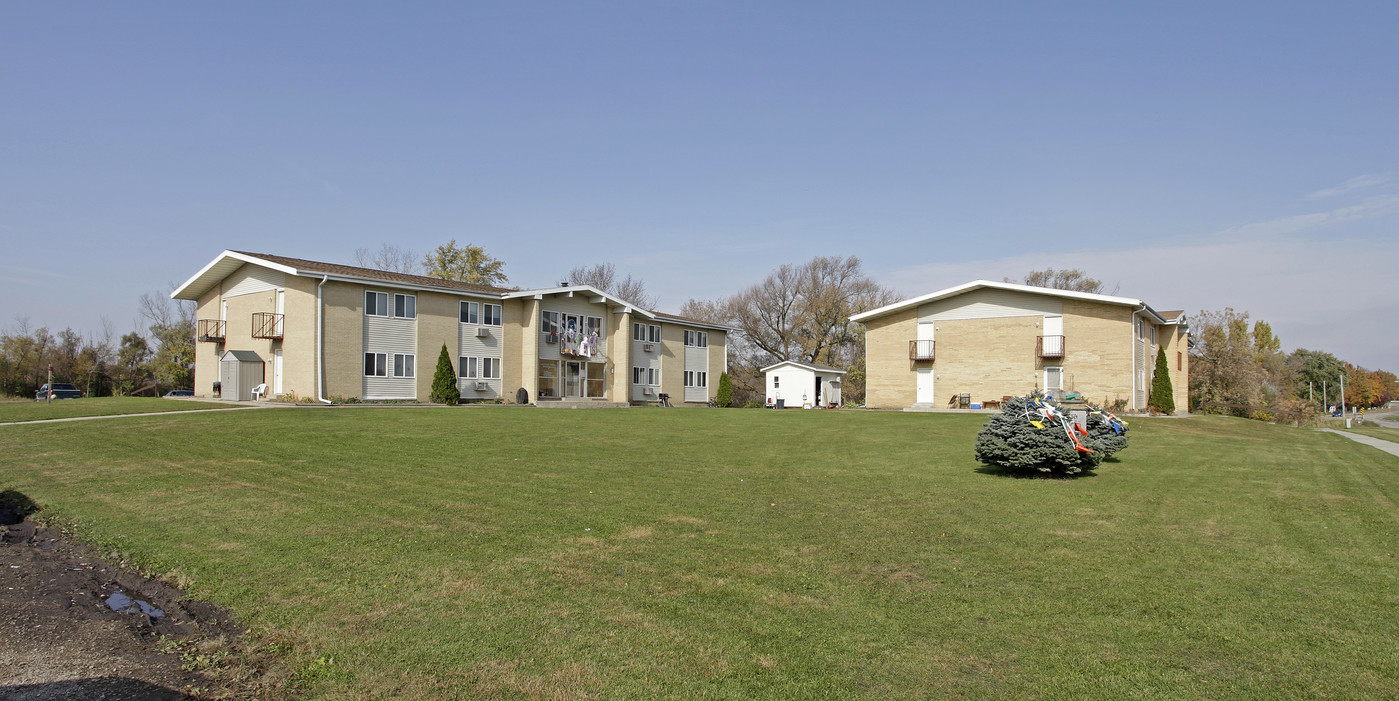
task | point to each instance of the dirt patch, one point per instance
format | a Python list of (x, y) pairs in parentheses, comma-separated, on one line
[(60, 640)]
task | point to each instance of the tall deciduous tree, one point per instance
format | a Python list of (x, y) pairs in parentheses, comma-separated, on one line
[(172, 329), (464, 264), (1067, 279), (604, 277), (390, 258), (1224, 363)]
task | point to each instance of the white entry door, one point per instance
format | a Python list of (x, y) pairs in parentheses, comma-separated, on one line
[(276, 372), (926, 394)]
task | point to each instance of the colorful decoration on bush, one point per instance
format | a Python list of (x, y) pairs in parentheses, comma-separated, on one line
[(1033, 433)]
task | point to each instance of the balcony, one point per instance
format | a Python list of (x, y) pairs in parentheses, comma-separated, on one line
[(1050, 347), (920, 350), (210, 330), (267, 325)]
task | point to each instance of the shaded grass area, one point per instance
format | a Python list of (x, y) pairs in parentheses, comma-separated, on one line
[(96, 406), (750, 554)]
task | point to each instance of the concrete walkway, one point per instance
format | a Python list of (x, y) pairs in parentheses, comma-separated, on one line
[(1387, 446)]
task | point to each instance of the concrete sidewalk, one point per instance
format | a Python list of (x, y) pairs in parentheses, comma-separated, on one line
[(1387, 446)]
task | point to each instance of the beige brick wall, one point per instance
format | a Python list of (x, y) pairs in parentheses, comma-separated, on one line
[(299, 337), (986, 358), (344, 339), (521, 347), (439, 322), (1098, 351), (672, 350), (239, 329), (1177, 345), (891, 380), (619, 357), (717, 342), (206, 353)]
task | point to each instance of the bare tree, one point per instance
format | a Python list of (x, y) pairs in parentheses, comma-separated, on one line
[(604, 277), (1067, 279), (390, 258)]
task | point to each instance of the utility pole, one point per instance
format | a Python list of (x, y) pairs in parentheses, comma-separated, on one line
[(48, 397), (1343, 399)]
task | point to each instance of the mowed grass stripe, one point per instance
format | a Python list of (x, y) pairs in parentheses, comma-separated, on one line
[(750, 554)]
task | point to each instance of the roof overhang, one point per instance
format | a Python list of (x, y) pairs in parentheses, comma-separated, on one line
[(588, 292), (804, 366), (219, 268), (1010, 286)]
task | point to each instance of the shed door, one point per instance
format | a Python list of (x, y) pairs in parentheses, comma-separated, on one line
[(926, 393)]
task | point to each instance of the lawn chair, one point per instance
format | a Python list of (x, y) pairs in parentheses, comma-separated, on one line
[(259, 392), (964, 401)]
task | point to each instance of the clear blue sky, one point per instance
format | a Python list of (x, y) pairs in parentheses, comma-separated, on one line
[(1195, 155)]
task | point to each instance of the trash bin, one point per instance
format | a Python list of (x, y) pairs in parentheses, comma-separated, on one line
[(782, 404), (522, 396)]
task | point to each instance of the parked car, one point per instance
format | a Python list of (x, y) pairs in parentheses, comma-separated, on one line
[(61, 390), (180, 393)]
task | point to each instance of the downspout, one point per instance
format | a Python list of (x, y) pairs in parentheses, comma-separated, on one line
[(320, 344), (1135, 341)]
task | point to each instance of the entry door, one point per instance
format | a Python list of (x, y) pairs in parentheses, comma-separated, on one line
[(926, 394), (281, 311), (276, 372), (572, 379), (1053, 336)]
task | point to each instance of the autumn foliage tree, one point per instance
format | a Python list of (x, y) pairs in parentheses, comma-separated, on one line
[(467, 263)]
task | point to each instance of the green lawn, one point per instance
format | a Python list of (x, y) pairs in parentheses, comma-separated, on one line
[(1381, 432), (96, 406), (649, 553)]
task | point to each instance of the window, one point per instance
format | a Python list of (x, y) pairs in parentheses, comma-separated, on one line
[(655, 333), (652, 376), (405, 306), (375, 365), (402, 365), (466, 367), (1054, 378), (1153, 335), (638, 332), (376, 303), (1178, 360), (549, 322), (689, 378), (701, 379), (638, 376), (490, 314), (548, 378), (594, 325), (689, 337), (776, 381), (468, 312), (698, 339), (595, 376), (570, 322), (490, 368)]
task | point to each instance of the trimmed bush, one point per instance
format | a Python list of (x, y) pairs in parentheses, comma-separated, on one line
[(444, 380), (725, 396), (1011, 441), (1162, 395)]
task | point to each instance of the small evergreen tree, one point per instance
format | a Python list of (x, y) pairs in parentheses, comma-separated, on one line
[(1009, 440), (725, 395), (1162, 395), (444, 380)]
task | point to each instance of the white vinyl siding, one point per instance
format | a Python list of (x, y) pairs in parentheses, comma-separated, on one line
[(646, 336), (478, 350), (391, 336), (990, 304), (251, 279), (696, 366)]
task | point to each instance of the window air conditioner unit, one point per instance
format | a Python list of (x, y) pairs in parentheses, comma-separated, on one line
[(551, 338), (648, 391), (648, 347), (483, 332), (483, 386)]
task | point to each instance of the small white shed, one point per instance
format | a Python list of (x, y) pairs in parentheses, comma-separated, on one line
[(798, 385), (239, 372)]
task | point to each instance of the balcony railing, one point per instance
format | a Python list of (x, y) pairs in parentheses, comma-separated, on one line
[(1050, 347), (920, 350), (267, 325), (211, 330)]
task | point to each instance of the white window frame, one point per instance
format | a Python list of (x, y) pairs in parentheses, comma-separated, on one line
[(655, 331), (376, 303), (381, 365), (689, 378), (653, 377), (689, 339), (548, 322), (1059, 373), (638, 332), (490, 314), (701, 378), (490, 368), (405, 306), (466, 367), (703, 339), (638, 375), (404, 365), (469, 313)]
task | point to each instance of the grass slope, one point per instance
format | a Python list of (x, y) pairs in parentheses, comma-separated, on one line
[(96, 406), (750, 554)]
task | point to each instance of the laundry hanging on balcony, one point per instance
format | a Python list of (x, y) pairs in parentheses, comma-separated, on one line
[(578, 344)]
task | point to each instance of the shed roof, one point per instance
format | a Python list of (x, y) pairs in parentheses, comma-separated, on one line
[(245, 356), (809, 366)]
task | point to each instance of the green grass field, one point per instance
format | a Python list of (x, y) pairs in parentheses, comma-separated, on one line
[(13, 411), (647, 553), (1381, 432)]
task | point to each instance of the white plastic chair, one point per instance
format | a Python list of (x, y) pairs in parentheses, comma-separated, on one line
[(259, 392)]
